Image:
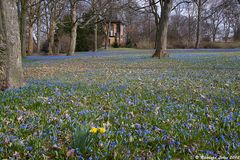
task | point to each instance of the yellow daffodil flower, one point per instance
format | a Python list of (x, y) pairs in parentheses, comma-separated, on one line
[(102, 130), (93, 130)]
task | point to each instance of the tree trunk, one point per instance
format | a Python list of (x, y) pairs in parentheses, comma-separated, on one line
[(30, 39), (96, 37), (10, 53), (226, 32), (73, 30), (107, 36), (23, 26), (161, 33), (39, 28), (38, 36), (46, 16), (189, 30), (214, 35), (57, 47), (51, 35), (106, 41), (198, 33)]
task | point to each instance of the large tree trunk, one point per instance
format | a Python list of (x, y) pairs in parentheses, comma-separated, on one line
[(23, 26), (30, 40), (214, 35), (189, 43), (95, 5), (73, 30), (198, 33), (226, 31), (10, 53), (39, 28), (38, 36), (106, 41), (46, 19), (51, 35), (106, 45), (96, 37), (161, 33)]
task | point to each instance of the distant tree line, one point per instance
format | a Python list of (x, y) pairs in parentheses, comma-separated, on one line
[(186, 23)]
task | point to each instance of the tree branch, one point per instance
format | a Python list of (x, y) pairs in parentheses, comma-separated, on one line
[(181, 3)]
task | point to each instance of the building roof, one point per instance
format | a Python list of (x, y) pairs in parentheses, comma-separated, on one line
[(115, 18)]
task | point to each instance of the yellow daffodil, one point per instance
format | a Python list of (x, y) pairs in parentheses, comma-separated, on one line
[(102, 130), (93, 130)]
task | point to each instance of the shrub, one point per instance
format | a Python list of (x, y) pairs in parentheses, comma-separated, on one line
[(144, 44), (45, 47), (115, 45), (220, 45)]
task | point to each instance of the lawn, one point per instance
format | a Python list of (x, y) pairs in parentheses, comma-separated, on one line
[(183, 106)]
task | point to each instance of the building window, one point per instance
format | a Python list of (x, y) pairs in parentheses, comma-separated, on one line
[(111, 33), (118, 28)]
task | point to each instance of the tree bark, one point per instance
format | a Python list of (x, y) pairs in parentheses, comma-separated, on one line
[(23, 26), (73, 30), (38, 36), (214, 34), (30, 40), (198, 33), (11, 74), (51, 35), (46, 16), (96, 36), (107, 28), (95, 27), (162, 28), (39, 28), (226, 31)]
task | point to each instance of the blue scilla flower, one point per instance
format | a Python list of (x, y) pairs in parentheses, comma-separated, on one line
[(163, 146), (113, 144), (230, 118), (80, 157), (238, 144), (137, 125), (209, 152), (29, 148), (53, 138), (23, 126), (90, 158), (13, 138), (222, 137)]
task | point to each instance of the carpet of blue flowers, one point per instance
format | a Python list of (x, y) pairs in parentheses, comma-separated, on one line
[(182, 106)]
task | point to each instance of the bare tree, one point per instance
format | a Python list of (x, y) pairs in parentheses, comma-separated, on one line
[(216, 19), (190, 14), (200, 4), (31, 16), (161, 21), (55, 8), (22, 23), (74, 25), (39, 24), (10, 54)]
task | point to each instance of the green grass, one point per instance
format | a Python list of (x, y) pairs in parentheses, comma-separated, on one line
[(173, 108)]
